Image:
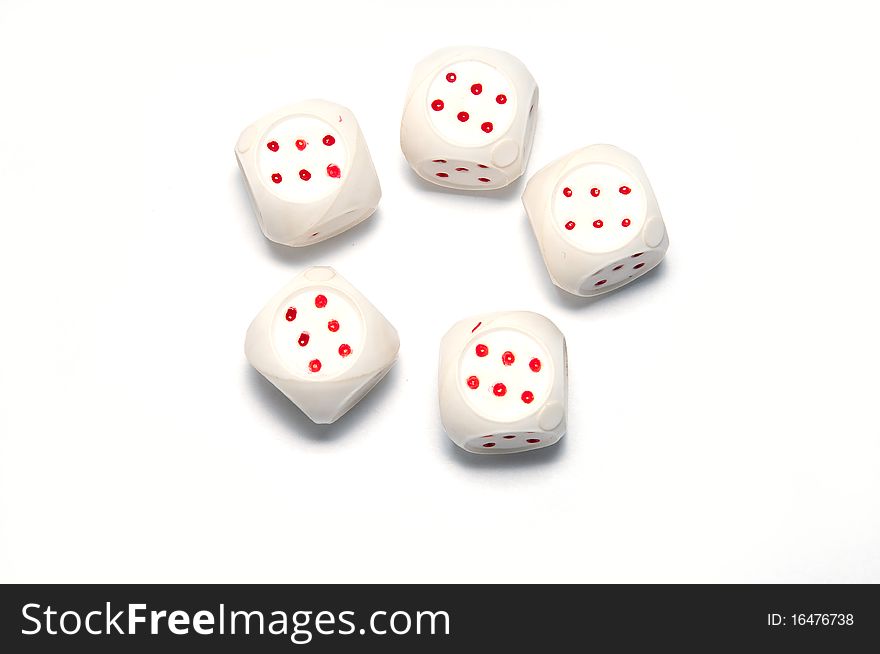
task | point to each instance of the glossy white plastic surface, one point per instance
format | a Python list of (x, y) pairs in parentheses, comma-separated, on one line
[(321, 343), (308, 172), (596, 220), (503, 383), (469, 118)]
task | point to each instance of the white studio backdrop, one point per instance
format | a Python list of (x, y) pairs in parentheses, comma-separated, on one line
[(722, 425)]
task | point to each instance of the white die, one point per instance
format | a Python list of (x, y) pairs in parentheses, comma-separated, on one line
[(321, 343), (469, 118), (308, 171), (596, 220), (503, 383)]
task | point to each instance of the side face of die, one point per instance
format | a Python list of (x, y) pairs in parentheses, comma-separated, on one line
[(308, 171), (322, 344), (503, 383), (596, 220), (469, 119)]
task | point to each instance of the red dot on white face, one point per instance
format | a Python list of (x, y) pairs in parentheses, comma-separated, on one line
[(473, 381), (507, 358), (600, 282), (333, 171), (626, 222), (300, 145), (499, 389), (476, 89), (328, 140), (533, 440), (500, 98), (305, 175), (320, 301), (618, 267), (333, 325), (488, 444), (314, 365), (272, 145), (638, 265), (482, 166), (462, 170), (303, 339), (344, 350), (594, 192), (450, 77), (290, 315), (276, 178), (570, 225), (637, 254), (485, 180), (442, 174), (535, 365), (437, 105), (482, 350), (528, 397), (463, 116), (487, 127), (625, 190), (566, 192), (598, 224)]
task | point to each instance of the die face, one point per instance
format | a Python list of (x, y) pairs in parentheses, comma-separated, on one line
[(471, 104), (318, 333), (619, 272), (505, 375), (598, 207), (321, 343), (470, 118), (308, 171), (303, 159), (509, 442), (596, 220), (503, 383), (330, 227), (460, 173)]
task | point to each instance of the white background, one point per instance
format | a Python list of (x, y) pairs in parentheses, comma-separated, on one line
[(723, 422)]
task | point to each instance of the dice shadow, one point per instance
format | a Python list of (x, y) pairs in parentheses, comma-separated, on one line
[(575, 302), (528, 459), (510, 192), (311, 254), (291, 417)]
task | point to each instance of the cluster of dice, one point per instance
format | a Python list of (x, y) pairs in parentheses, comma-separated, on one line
[(468, 124)]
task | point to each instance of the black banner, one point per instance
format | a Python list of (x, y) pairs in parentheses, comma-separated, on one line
[(421, 618)]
